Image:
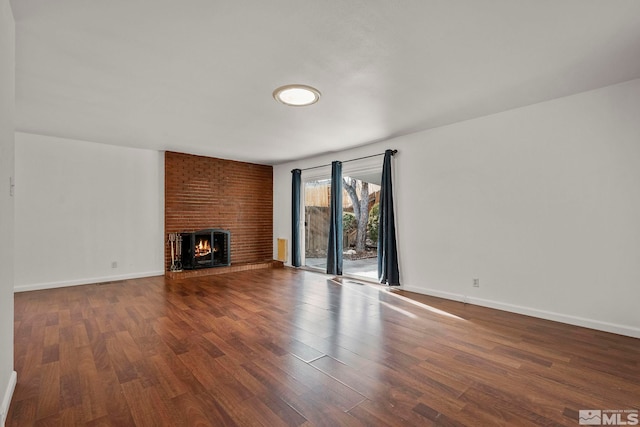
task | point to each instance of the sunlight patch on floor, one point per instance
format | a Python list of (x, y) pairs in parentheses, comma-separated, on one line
[(388, 291), (427, 307), (399, 310)]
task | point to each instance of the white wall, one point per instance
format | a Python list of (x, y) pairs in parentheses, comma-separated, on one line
[(541, 203), (81, 206), (7, 85)]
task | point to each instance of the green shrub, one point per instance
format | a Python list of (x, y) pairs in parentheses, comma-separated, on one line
[(349, 221)]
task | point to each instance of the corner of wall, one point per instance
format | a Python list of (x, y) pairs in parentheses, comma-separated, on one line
[(7, 173), (8, 394)]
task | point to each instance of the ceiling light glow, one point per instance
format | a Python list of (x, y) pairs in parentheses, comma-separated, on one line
[(297, 95)]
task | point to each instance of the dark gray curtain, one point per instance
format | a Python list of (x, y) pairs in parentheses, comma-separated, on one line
[(387, 250), (296, 259), (334, 252)]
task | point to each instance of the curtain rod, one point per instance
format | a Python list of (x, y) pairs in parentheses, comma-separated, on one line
[(393, 152)]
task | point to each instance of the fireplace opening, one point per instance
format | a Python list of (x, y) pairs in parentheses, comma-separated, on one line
[(202, 250), (205, 249)]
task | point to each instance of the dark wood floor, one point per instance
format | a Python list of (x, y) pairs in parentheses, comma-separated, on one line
[(285, 347)]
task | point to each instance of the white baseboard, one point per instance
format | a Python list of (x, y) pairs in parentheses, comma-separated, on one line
[(433, 293), (8, 394), (65, 283), (599, 325)]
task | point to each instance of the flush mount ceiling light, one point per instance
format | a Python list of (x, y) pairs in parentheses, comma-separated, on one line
[(297, 95)]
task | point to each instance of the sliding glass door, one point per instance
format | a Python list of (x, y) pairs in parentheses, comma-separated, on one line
[(317, 194), (360, 225), (361, 195)]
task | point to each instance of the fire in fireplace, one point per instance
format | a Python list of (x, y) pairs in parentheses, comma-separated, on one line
[(206, 248), (202, 248)]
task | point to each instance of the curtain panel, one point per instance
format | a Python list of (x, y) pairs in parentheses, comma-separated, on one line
[(296, 258), (334, 252), (388, 271)]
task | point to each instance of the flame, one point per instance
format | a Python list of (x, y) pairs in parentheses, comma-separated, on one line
[(203, 248)]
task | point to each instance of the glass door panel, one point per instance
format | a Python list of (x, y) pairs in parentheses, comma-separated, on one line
[(317, 194), (360, 197), (360, 227)]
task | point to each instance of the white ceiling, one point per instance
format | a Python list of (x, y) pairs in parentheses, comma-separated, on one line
[(197, 76)]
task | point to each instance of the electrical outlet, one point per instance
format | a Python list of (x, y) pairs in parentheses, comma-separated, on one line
[(476, 283), (114, 264)]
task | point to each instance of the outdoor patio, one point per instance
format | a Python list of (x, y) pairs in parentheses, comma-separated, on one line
[(366, 268)]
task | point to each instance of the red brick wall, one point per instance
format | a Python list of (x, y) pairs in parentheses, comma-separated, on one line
[(205, 192)]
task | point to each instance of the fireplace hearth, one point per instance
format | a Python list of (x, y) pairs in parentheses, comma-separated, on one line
[(205, 249)]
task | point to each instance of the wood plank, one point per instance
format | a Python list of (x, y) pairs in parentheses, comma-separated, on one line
[(290, 347)]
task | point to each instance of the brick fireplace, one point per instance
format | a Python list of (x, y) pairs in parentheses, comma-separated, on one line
[(209, 193)]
